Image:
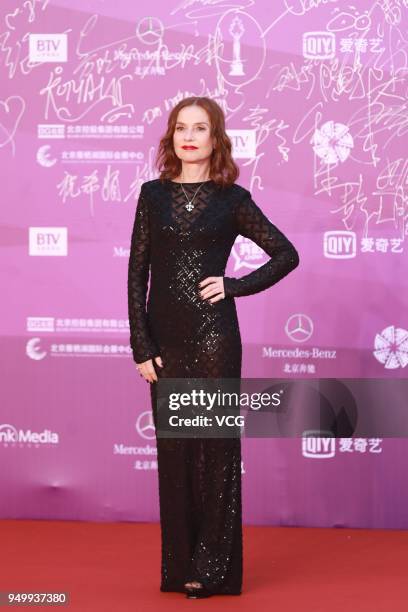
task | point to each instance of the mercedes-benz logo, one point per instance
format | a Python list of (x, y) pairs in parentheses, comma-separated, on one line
[(145, 425), (299, 327), (150, 30)]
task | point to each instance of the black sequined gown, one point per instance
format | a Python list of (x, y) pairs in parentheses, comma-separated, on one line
[(199, 479)]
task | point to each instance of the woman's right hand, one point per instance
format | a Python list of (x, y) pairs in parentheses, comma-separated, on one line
[(146, 369)]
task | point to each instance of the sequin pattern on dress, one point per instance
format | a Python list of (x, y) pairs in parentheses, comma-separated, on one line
[(176, 248)]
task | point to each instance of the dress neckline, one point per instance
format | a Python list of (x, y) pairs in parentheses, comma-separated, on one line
[(193, 183)]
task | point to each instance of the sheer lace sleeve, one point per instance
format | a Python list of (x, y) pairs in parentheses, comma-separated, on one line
[(253, 224), (143, 346)]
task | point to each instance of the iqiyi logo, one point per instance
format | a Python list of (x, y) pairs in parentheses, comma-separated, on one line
[(319, 45), (315, 445), (339, 244), (10, 436)]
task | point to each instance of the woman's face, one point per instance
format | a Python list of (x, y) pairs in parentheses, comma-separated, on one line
[(193, 130)]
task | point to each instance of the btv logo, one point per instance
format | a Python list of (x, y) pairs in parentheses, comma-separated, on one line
[(243, 143), (48, 241), (48, 47), (339, 245)]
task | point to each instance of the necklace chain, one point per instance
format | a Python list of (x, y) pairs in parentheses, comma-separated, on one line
[(189, 206)]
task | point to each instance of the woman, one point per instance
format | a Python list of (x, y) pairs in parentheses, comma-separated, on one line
[(185, 225)]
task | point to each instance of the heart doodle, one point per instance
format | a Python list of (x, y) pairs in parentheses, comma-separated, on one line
[(11, 112)]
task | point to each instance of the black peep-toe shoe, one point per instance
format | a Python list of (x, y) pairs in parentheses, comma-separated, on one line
[(197, 592)]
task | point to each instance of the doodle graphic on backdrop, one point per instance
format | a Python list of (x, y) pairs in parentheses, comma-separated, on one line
[(391, 347), (230, 63), (236, 30), (11, 111), (332, 142)]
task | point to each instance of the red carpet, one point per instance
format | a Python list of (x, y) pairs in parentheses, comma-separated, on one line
[(109, 567)]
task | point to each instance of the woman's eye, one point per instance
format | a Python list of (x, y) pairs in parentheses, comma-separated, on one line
[(180, 127)]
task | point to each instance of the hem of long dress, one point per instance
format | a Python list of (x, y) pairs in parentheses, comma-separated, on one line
[(181, 589)]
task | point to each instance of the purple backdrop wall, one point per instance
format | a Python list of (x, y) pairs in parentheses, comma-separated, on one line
[(315, 97)]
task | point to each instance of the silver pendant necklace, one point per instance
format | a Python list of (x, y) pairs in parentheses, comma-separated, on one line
[(189, 206)]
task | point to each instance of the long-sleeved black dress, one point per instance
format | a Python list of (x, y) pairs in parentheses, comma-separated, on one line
[(199, 479)]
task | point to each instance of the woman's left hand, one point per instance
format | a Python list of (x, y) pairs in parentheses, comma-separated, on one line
[(214, 286)]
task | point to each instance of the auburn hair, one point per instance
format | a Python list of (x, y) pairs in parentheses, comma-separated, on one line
[(223, 169)]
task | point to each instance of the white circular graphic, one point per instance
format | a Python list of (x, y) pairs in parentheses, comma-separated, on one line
[(299, 327), (391, 347), (43, 157), (332, 142), (33, 349)]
